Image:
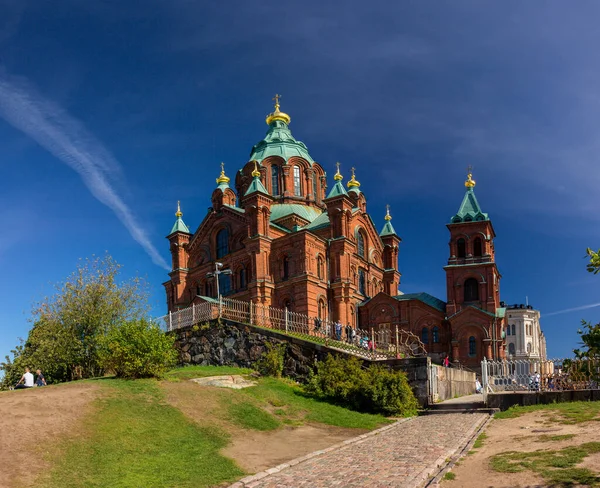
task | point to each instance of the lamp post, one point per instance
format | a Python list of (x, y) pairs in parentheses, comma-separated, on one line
[(215, 275)]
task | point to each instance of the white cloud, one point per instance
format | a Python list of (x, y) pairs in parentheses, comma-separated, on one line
[(567, 310), (67, 139)]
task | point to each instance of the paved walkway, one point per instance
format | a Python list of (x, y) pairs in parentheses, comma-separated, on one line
[(405, 455)]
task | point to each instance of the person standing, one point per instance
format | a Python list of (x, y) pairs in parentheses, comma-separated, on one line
[(446, 361), (26, 380), (40, 380), (338, 330)]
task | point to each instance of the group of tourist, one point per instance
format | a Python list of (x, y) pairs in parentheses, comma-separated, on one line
[(345, 333), (28, 380)]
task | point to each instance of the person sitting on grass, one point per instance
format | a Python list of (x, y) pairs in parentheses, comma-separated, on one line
[(40, 380), (26, 380)]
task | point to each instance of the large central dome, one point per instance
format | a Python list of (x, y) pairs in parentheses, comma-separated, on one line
[(279, 140)]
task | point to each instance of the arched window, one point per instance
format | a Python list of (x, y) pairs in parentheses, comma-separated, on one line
[(513, 329), (529, 347), (198, 289), (471, 290), (360, 244), (472, 346), (286, 267), (508, 330), (477, 247), (243, 278), (297, 187), (322, 309), (222, 243), (425, 335), (320, 268), (361, 282), (436, 334), (461, 247), (315, 193), (511, 349), (275, 180)]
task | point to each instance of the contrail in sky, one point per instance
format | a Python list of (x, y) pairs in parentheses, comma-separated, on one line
[(583, 307), (67, 139)]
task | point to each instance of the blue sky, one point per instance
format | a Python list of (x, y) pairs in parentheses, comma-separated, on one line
[(112, 111)]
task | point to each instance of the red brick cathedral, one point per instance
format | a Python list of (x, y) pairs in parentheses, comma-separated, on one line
[(290, 241)]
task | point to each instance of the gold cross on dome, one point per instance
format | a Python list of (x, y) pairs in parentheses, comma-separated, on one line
[(352, 169), (338, 166), (276, 99), (222, 166), (387, 207), (469, 169)]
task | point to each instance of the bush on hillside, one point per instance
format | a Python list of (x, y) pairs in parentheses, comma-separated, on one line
[(271, 361), (375, 389), (137, 349)]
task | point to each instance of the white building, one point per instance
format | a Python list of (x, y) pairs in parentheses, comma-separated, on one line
[(524, 336)]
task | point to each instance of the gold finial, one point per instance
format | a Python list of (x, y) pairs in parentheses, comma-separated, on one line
[(353, 183), (387, 217), (256, 173), (338, 176), (222, 178), (277, 115), (470, 183), (179, 213)]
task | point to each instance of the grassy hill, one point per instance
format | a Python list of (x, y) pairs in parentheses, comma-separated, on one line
[(176, 433)]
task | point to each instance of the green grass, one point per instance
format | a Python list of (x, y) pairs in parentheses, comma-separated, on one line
[(249, 416), (293, 406), (479, 442), (189, 372), (556, 466), (449, 475), (554, 438), (134, 438), (566, 413)]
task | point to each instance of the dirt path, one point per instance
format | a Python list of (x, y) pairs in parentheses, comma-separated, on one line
[(253, 450), (29, 418), (522, 434)]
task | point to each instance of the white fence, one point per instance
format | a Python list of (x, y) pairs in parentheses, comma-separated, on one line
[(371, 343), (539, 375)]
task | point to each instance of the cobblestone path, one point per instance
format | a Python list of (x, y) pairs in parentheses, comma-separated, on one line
[(405, 456)]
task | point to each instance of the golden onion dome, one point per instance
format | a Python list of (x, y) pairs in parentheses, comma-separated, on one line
[(277, 114), (256, 173), (387, 217), (222, 178), (353, 183), (470, 183), (338, 176), (179, 213)]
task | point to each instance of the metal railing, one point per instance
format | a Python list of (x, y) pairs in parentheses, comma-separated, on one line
[(367, 343), (539, 374)]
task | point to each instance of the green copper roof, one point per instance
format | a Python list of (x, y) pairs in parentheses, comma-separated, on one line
[(256, 186), (279, 142), (388, 229), (337, 190), (320, 222), (179, 226), (469, 210), (279, 211), (425, 298), (223, 186)]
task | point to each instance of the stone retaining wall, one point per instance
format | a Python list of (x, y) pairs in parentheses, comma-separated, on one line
[(454, 383), (233, 344)]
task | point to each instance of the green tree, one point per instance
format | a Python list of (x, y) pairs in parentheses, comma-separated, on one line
[(68, 326), (594, 265), (137, 349), (590, 340)]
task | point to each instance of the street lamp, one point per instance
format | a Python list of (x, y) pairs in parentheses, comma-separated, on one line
[(215, 275)]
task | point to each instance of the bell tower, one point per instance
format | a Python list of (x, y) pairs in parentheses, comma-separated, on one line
[(472, 277)]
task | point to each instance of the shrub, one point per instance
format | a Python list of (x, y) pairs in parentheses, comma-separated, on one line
[(271, 361), (138, 349), (374, 389)]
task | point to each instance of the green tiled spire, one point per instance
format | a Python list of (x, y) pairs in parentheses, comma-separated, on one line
[(338, 188), (469, 210), (256, 185), (179, 225), (279, 140), (388, 228)]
